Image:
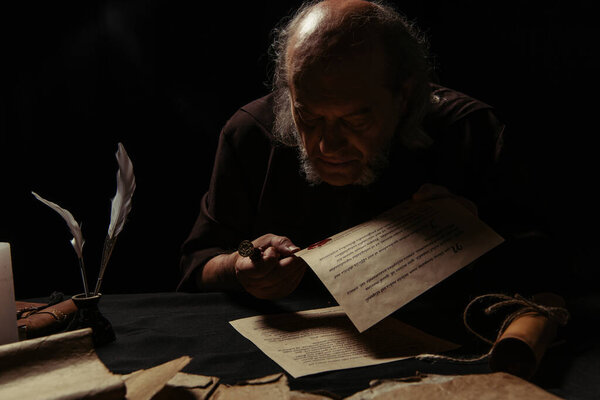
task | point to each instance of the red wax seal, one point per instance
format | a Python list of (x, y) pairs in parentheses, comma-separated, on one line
[(318, 244)]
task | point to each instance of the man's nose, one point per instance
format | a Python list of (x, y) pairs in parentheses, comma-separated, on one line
[(332, 140)]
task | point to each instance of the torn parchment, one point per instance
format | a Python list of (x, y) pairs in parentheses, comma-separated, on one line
[(495, 386), (61, 366), (145, 383), (271, 387)]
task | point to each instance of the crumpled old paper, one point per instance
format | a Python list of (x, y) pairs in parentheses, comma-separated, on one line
[(65, 366), (61, 366), (494, 386), (271, 387)]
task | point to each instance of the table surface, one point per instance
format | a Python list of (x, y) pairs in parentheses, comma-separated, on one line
[(158, 327)]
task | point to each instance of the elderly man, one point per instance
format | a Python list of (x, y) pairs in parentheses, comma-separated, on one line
[(352, 127)]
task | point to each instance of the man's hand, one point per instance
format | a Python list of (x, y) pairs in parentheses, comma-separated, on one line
[(276, 273), (429, 191)]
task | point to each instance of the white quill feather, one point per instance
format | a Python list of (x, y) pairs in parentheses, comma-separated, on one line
[(74, 227), (120, 208), (121, 203), (77, 241)]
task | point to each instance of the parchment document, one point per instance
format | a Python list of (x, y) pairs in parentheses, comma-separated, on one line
[(309, 342), (376, 267)]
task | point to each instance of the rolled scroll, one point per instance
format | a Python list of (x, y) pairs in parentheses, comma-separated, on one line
[(520, 348), (39, 319)]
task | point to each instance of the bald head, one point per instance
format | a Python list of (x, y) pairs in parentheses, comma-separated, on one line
[(331, 32)]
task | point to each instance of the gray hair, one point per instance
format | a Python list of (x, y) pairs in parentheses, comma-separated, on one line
[(406, 51)]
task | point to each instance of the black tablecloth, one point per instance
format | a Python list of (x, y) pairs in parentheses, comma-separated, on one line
[(155, 328)]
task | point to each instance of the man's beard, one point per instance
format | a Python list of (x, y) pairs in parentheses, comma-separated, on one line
[(369, 173), (286, 132)]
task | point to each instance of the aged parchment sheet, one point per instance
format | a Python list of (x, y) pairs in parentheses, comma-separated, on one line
[(308, 342), (376, 267)]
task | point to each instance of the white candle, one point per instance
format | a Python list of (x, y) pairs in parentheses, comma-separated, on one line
[(8, 317)]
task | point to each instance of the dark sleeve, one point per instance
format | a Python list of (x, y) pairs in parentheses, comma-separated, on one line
[(227, 210)]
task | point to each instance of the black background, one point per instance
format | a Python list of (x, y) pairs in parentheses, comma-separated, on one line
[(162, 77)]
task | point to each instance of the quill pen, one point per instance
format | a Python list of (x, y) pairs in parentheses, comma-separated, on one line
[(120, 208), (75, 229)]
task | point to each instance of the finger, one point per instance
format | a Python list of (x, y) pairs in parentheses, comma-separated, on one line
[(284, 245), (246, 268), (266, 269), (273, 270), (270, 253)]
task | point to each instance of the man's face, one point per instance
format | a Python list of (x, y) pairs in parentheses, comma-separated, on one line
[(345, 116)]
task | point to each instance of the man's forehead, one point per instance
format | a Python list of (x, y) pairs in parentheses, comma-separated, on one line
[(310, 97), (351, 74), (340, 107)]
